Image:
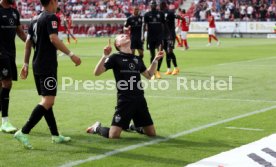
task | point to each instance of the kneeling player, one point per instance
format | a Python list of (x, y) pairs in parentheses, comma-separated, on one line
[(131, 103)]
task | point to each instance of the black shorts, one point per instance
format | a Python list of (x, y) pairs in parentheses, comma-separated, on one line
[(169, 44), (135, 109), (46, 85), (136, 44), (8, 69), (154, 44)]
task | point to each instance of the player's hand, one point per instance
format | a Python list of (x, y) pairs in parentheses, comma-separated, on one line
[(24, 72), (127, 30), (108, 48), (160, 54), (76, 60)]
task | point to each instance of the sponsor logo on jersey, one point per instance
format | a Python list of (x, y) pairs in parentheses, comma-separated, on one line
[(131, 66)]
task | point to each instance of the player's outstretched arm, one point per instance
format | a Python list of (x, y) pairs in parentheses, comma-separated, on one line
[(152, 68), (100, 68), (60, 46), (28, 50)]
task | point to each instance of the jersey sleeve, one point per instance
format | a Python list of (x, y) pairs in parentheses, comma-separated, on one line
[(127, 22), (143, 67), (52, 25), (109, 62), (18, 18)]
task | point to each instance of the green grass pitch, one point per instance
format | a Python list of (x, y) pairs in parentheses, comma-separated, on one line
[(176, 113)]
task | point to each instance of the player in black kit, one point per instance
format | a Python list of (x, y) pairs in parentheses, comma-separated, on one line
[(43, 34), (134, 25), (154, 27), (9, 27), (131, 103), (169, 38)]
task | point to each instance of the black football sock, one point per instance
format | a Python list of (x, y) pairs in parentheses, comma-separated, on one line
[(159, 64), (51, 122), (152, 55), (168, 59), (0, 99), (5, 99), (35, 117), (174, 59), (103, 131)]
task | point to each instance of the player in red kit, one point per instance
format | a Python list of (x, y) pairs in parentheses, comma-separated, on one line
[(178, 30), (185, 28), (67, 26), (61, 23), (212, 28)]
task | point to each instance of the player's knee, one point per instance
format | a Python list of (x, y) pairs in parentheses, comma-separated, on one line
[(114, 135), (150, 131)]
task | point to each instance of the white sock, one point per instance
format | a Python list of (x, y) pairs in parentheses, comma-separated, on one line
[(4, 120), (168, 69)]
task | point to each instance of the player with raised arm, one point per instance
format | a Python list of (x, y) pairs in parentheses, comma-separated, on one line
[(131, 103), (43, 34)]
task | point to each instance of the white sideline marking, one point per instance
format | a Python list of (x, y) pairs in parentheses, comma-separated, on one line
[(249, 129), (247, 61), (155, 141)]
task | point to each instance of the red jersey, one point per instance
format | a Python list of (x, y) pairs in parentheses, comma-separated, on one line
[(60, 17), (185, 22), (211, 21)]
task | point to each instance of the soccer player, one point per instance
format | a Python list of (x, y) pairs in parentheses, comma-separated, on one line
[(43, 34), (185, 28), (178, 30), (169, 39), (131, 103), (212, 29), (134, 25), (154, 27), (67, 26), (61, 23), (9, 27)]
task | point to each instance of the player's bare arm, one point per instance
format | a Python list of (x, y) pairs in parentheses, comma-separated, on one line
[(20, 33), (152, 68), (28, 50), (60, 46), (99, 69)]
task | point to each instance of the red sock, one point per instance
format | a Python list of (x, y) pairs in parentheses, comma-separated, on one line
[(185, 43), (214, 37)]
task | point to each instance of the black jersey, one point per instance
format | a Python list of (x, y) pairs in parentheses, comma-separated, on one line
[(155, 21), (9, 21), (135, 23), (45, 55), (169, 24), (127, 69)]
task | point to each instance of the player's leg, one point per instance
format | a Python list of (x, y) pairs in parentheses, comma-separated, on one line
[(9, 73), (168, 58), (142, 118), (158, 74), (184, 39)]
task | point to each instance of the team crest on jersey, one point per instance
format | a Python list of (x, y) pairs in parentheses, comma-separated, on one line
[(54, 24), (135, 60), (5, 72), (117, 118), (131, 66)]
